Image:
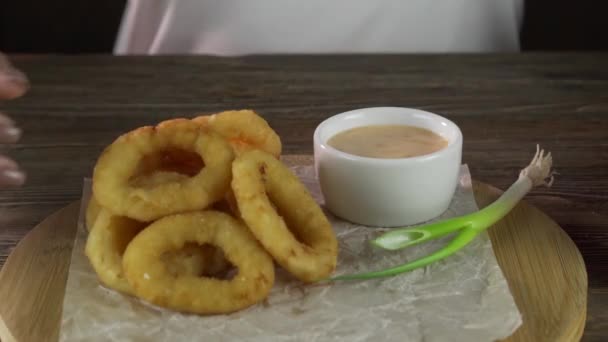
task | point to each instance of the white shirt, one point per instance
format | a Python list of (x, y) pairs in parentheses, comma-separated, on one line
[(239, 27)]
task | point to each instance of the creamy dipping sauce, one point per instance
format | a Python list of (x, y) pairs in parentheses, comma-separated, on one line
[(388, 141)]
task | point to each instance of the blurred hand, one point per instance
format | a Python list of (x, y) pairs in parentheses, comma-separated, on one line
[(13, 83)]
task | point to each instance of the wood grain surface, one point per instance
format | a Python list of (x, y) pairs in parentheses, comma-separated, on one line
[(504, 104)]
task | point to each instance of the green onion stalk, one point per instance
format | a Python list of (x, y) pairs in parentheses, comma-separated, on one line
[(538, 173)]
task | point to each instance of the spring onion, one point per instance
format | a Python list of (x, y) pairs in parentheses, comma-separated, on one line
[(538, 173)]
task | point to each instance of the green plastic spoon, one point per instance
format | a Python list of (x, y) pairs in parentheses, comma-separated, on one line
[(467, 227)]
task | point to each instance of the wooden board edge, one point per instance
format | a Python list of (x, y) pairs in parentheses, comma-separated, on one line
[(5, 333), (56, 256), (575, 329)]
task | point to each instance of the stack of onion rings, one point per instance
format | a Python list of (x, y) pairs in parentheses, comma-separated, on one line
[(173, 212)]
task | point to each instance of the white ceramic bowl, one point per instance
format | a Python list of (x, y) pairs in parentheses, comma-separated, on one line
[(387, 192)]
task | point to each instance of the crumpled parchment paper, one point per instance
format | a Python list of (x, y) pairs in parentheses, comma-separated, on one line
[(462, 298)]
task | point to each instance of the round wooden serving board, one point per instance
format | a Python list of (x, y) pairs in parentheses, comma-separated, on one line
[(543, 267)]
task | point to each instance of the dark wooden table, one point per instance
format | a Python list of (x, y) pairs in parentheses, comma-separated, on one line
[(505, 104)]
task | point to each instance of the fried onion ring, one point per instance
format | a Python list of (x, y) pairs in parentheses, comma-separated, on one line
[(105, 246), (283, 216), (115, 179), (151, 281), (109, 237), (152, 179), (92, 211), (244, 129)]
